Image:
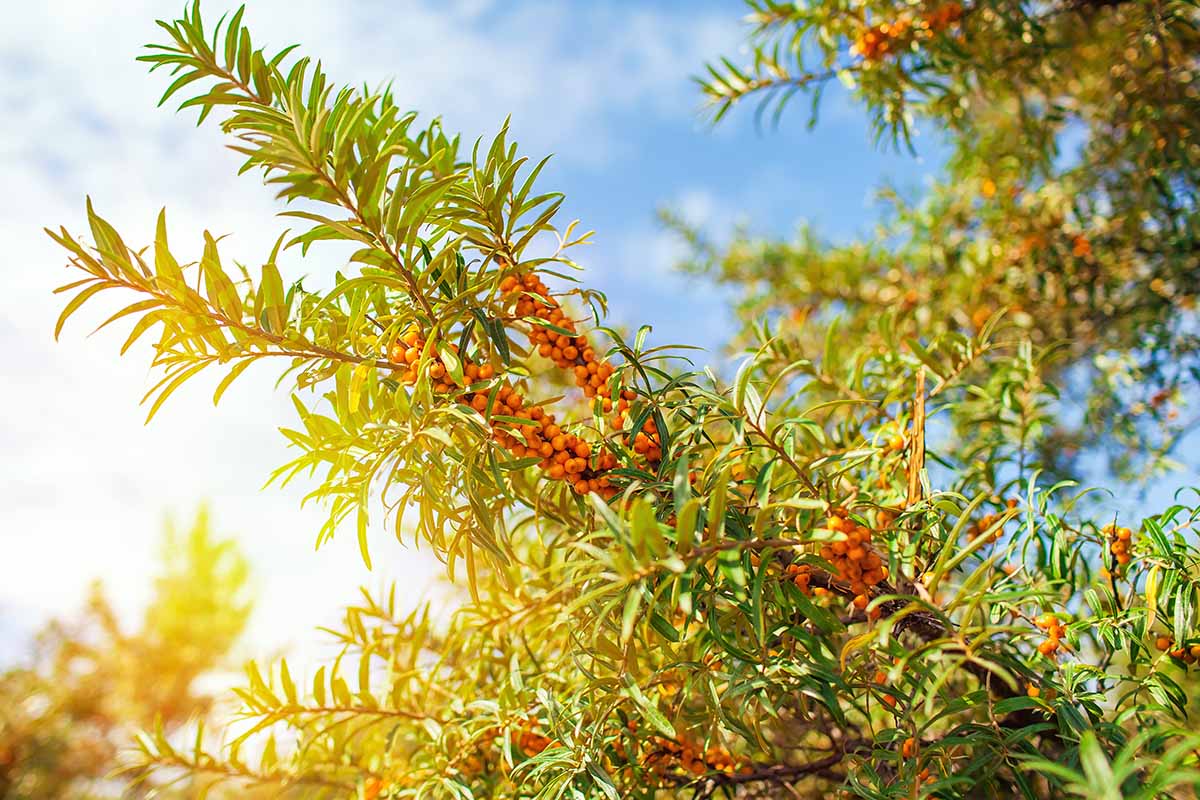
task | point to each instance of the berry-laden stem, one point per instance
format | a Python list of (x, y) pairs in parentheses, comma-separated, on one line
[(564, 456)]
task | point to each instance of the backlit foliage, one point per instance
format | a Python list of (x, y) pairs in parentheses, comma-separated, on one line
[(856, 566), (68, 716)]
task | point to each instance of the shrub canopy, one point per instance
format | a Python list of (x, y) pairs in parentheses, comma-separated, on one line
[(863, 563)]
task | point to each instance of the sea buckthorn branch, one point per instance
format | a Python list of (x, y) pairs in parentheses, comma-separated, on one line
[(293, 165), (857, 568), (484, 751), (226, 770), (673, 758), (287, 128), (339, 148), (523, 431), (918, 75), (862, 578), (727, 85), (195, 326), (557, 339)]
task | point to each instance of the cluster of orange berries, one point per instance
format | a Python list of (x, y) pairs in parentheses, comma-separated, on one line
[(686, 757), (528, 738), (406, 352), (646, 442), (980, 526), (1081, 247), (564, 456), (1119, 541), (682, 756), (877, 41), (1054, 631), (1187, 654), (942, 17), (571, 351), (567, 350), (854, 559), (801, 576)]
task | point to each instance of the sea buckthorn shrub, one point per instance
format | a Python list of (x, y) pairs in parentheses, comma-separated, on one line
[(855, 567)]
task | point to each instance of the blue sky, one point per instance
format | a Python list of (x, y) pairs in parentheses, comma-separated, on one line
[(605, 86)]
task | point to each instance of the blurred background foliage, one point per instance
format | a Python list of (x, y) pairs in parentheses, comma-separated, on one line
[(70, 712), (1068, 202)]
